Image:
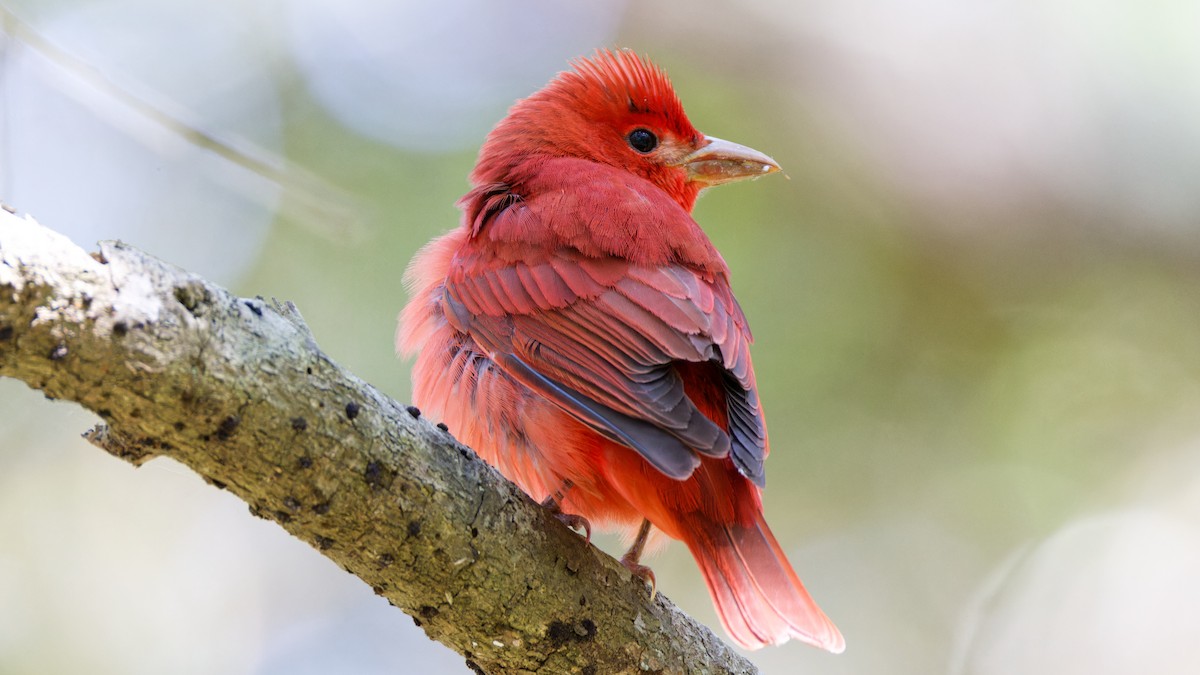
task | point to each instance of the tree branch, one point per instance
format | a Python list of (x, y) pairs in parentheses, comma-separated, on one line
[(237, 390)]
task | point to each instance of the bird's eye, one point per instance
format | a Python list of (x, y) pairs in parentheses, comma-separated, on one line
[(642, 140)]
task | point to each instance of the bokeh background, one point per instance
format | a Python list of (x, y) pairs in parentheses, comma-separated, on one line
[(976, 301)]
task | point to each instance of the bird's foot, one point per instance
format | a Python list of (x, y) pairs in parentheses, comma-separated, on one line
[(571, 520), (634, 554), (642, 572), (578, 523)]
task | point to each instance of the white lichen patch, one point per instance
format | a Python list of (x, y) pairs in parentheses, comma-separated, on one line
[(79, 287), (32, 254), (138, 301)]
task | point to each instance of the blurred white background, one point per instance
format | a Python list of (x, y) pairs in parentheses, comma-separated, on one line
[(975, 302)]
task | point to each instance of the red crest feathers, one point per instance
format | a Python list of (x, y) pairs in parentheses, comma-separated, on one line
[(629, 83), (586, 113)]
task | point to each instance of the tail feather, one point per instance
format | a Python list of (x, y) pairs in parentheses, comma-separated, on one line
[(757, 594)]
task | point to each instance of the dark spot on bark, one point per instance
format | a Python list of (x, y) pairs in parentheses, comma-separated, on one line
[(466, 454), (299, 424), (104, 413), (588, 670), (583, 601), (385, 561), (256, 512), (204, 438), (414, 528), (304, 462), (120, 328), (191, 295), (59, 352), (255, 305), (308, 370), (414, 411), (283, 516), (6, 333), (417, 621), (323, 543), (179, 426), (227, 427), (475, 668), (218, 484), (427, 612), (352, 410), (321, 509), (292, 503), (377, 476), (474, 532), (443, 427), (379, 589), (560, 632)]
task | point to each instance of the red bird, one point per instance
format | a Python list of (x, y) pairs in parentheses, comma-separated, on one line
[(579, 332)]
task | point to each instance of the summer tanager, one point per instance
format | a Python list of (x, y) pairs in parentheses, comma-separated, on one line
[(579, 332)]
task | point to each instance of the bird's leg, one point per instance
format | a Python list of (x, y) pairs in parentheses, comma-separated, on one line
[(634, 554), (573, 521)]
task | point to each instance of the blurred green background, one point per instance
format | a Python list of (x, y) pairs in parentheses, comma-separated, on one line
[(975, 300)]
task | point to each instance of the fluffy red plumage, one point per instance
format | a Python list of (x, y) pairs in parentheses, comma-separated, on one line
[(579, 330)]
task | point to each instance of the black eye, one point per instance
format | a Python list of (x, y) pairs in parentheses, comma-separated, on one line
[(642, 140)]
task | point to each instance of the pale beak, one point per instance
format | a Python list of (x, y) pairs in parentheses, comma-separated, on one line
[(724, 162)]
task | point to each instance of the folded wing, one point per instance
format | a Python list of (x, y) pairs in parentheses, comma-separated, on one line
[(600, 336)]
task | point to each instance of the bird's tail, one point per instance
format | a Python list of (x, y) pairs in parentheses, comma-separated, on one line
[(757, 594)]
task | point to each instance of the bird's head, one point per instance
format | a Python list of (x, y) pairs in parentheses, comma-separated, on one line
[(617, 108)]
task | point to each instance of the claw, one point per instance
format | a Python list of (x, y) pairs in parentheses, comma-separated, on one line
[(634, 554), (642, 572), (576, 523), (573, 521)]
